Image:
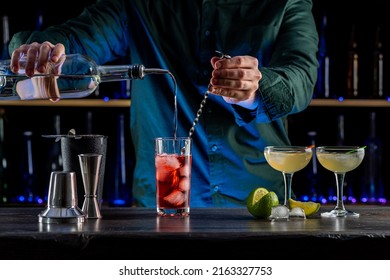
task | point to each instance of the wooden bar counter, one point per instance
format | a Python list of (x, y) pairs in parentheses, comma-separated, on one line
[(209, 233)]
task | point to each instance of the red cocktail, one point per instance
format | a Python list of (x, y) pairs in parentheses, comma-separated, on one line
[(173, 176)]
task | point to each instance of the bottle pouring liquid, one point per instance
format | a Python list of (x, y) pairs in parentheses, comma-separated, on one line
[(74, 76)]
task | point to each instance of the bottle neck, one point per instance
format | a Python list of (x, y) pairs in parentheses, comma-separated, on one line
[(113, 73)]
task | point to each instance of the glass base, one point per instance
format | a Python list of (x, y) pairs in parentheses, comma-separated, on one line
[(339, 213), (164, 212)]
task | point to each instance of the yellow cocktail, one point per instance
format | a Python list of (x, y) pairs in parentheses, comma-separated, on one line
[(340, 160), (288, 159)]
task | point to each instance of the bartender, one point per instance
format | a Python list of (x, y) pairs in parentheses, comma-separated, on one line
[(270, 74)]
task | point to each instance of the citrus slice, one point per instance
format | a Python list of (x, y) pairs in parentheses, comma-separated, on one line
[(260, 202), (255, 195), (309, 207)]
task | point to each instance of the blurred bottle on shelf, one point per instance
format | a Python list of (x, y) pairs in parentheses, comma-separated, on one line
[(39, 22), (5, 32), (127, 89), (55, 155), (4, 187), (340, 130), (377, 89), (89, 122), (322, 89), (373, 191), (353, 67), (29, 190), (119, 194)]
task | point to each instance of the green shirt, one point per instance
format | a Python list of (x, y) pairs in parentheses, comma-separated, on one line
[(182, 36)]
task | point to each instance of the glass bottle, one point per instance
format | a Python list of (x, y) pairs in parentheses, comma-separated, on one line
[(340, 130), (373, 191), (322, 85), (74, 76), (353, 67), (377, 67), (4, 187), (39, 22), (55, 156), (120, 193), (89, 122), (5, 30), (28, 184)]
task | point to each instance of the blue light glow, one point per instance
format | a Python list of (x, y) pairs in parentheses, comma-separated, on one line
[(119, 202), (382, 200), (352, 199)]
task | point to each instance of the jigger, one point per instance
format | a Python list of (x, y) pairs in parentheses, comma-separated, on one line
[(62, 200), (90, 170)]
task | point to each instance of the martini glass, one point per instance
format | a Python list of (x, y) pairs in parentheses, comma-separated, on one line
[(340, 160), (288, 160)]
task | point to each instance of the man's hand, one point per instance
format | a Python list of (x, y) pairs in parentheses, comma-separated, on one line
[(37, 56), (236, 79)]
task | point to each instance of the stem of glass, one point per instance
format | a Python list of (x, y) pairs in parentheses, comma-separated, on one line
[(287, 188), (340, 186)]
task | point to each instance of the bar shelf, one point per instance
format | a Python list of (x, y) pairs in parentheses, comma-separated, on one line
[(349, 103)]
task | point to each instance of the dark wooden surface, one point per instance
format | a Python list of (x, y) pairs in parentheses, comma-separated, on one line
[(209, 233)]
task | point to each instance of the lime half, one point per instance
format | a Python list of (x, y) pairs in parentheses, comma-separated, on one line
[(260, 202)]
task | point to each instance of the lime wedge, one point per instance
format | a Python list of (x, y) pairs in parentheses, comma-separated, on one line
[(309, 207)]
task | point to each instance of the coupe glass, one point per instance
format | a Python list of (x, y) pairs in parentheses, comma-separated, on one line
[(288, 159), (340, 160)]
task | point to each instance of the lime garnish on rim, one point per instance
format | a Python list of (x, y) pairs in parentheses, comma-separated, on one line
[(355, 150)]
